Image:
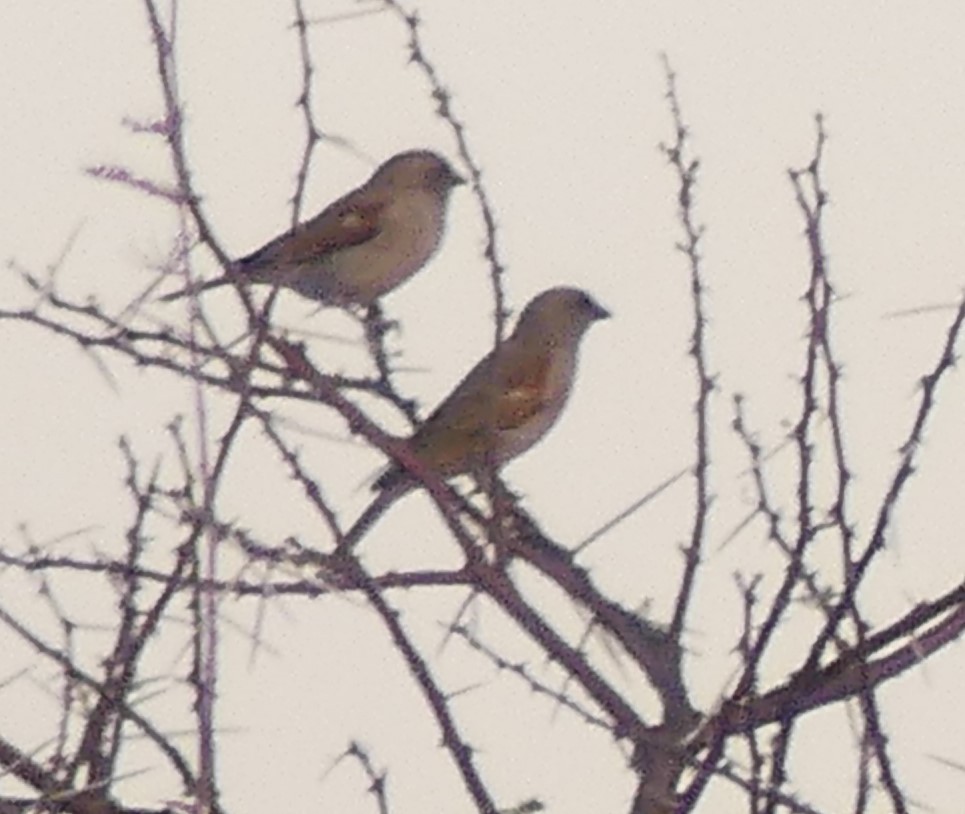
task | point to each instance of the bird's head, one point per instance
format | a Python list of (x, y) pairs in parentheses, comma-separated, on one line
[(560, 313), (418, 169)]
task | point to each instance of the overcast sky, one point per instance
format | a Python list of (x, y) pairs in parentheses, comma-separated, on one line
[(564, 109)]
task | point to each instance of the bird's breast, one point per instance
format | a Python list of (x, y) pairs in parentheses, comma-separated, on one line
[(410, 229)]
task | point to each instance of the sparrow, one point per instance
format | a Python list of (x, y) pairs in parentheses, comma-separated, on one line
[(503, 406), (362, 246)]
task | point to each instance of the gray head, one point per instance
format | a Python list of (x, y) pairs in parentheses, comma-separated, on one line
[(561, 312), (418, 169)]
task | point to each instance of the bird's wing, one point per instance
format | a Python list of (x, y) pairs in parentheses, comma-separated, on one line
[(504, 391), (500, 394), (523, 393), (347, 222)]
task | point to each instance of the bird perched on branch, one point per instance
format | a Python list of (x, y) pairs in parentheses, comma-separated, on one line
[(363, 245), (503, 406)]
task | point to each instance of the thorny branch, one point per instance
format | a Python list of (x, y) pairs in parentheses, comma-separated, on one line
[(675, 754)]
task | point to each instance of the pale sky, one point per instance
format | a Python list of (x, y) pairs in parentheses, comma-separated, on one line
[(564, 109)]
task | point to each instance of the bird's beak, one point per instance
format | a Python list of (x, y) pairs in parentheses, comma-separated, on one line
[(599, 312), (455, 179)]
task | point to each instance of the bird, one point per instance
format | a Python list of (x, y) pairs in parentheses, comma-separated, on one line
[(502, 407), (362, 246)]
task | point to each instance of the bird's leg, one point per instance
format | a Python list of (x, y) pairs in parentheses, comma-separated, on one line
[(375, 322), (501, 506), (376, 328)]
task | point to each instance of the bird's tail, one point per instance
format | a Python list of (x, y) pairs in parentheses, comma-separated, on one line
[(196, 289), (372, 513), (389, 477)]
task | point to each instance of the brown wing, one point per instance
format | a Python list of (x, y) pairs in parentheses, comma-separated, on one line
[(502, 393), (349, 221), (525, 393)]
